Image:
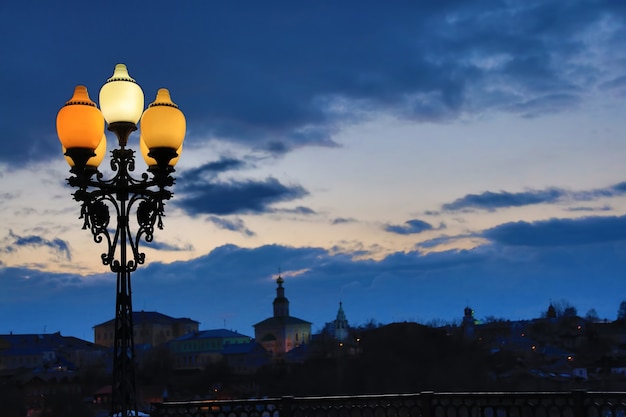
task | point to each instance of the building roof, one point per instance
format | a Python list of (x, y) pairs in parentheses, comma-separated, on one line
[(281, 316), (25, 344), (282, 321), (242, 348), (153, 317), (212, 334)]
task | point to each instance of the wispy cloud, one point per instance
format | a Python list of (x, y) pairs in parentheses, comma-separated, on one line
[(491, 201), (588, 208), (209, 171), (235, 225), (301, 210), (167, 246), (343, 220), (13, 242), (410, 227)]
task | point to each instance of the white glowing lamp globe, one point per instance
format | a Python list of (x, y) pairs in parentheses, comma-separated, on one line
[(121, 98)]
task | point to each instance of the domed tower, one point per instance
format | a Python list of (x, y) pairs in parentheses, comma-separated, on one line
[(281, 303), (468, 323)]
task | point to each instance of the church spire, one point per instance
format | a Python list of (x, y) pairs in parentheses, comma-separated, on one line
[(341, 324), (281, 303)]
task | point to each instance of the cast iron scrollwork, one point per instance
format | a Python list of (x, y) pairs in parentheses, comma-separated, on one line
[(122, 194)]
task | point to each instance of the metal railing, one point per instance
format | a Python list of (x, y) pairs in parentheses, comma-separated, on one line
[(424, 404)]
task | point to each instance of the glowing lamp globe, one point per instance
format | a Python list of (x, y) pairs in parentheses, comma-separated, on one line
[(79, 123), (163, 125), (94, 161), (121, 98), (150, 161)]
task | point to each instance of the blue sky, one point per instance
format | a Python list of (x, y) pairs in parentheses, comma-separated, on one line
[(407, 159)]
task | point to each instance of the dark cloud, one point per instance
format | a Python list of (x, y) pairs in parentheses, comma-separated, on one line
[(536, 106), (498, 279), (14, 242), (587, 208), (305, 211), (199, 175), (276, 148), (617, 83), (342, 220), (490, 200), (288, 76), (235, 225), (411, 227), (202, 193), (167, 246), (493, 200), (441, 240), (223, 198), (559, 232)]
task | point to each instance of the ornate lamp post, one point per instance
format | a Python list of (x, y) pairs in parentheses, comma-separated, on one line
[(80, 127)]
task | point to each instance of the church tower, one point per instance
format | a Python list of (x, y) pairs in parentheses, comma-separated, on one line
[(281, 303), (341, 324), (468, 324), (281, 333)]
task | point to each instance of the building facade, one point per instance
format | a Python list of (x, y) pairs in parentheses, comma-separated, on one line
[(196, 350), (149, 328)]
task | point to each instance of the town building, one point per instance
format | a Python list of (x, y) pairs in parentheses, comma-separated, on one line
[(149, 328), (281, 332), (245, 359), (40, 366), (198, 349), (50, 351)]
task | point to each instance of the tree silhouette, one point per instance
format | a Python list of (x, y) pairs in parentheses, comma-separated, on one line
[(621, 312)]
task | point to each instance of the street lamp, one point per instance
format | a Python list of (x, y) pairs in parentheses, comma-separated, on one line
[(80, 127)]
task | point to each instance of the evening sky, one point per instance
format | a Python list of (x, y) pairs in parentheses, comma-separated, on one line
[(407, 159)]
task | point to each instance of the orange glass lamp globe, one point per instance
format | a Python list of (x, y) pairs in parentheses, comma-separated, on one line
[(79, 123), (150, 161), (121, 98), (94, 161), (163, 125)]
